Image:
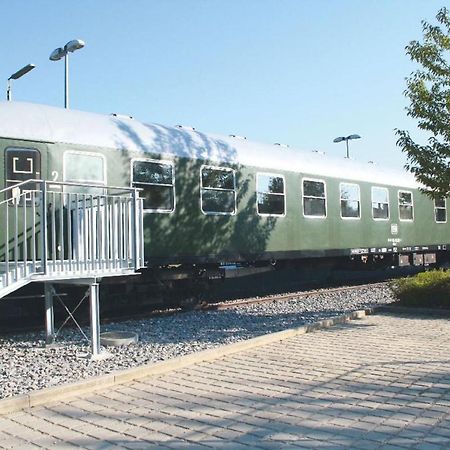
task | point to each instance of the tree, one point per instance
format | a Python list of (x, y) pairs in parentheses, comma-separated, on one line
[(428, 89)]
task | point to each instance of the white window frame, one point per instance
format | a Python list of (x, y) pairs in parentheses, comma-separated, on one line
[(388, 203), (310, 196), (412, 205), (218, 213), (77, 152), (440, 207), (359, 200), (273, 175), (157, 161)]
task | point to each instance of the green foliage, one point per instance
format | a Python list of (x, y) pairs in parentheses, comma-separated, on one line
[(426, 289), (428, 90)]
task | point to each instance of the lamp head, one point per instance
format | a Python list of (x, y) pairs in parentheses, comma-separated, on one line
[(354, 136), (57, 54), (76, 44), (24, 70), (339, 139)]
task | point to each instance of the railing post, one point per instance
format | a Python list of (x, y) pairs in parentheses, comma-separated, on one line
[(134, 227), (141, 232), (8, 275), (44, 236)]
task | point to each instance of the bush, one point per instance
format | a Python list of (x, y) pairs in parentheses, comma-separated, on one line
[(427, 289)]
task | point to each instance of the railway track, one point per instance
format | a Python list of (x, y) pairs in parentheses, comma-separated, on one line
[(288, 296), (246, 301)]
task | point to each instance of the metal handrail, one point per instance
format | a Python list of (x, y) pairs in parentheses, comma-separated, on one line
[(60, 233), (20, 184), (92, 185), (69, 183)]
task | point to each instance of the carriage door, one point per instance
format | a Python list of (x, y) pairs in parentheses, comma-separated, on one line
[(22, 164), (88, 202)]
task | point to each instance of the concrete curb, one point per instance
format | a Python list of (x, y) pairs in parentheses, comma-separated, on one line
[(65, 391), (413, 310)]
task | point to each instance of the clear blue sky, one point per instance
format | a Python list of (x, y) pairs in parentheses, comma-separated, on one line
[(299, 72)]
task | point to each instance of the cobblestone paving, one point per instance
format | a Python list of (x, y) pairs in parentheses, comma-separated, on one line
[(382, 382)]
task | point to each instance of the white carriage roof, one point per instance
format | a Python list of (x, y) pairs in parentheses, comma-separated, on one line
[(28, 121)]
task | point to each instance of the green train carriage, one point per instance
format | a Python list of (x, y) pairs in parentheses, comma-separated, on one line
[(214, 200)]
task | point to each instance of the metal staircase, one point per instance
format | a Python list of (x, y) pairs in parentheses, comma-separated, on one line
[(68, 232)]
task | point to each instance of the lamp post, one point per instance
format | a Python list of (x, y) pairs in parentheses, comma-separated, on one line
[(63, 52), (20, 73), (346, 139)]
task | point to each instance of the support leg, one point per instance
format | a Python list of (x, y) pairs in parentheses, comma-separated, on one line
[(95, 318), (49, 314)]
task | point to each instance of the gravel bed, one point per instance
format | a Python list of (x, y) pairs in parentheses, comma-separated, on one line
[(27, 365)]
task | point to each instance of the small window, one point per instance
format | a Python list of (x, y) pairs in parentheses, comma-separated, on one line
[(270, 199), (22, 164), (156, 179), (380, 203), (314, 199), (218, 191), (440, 210), (350, 201), (84, 167), (405, 205)]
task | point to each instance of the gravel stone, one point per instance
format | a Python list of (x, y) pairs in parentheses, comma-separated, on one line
[(26, 364)]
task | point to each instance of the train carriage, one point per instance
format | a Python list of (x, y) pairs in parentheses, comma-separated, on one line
[(210, 201)]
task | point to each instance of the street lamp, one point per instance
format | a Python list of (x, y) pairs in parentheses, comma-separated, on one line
[(63, 52), (346, 139), (20, 73)]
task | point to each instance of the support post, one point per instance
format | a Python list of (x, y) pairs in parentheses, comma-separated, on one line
[(49, 314), (66, 80), (95, 318), (8, 91)]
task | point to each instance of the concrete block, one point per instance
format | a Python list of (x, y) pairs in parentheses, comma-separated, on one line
[(12, 404), (361, 314)]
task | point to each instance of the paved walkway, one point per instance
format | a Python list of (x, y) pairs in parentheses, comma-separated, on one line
[(382, 382)]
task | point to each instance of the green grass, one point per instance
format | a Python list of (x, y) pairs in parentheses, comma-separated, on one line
[(427, 290)]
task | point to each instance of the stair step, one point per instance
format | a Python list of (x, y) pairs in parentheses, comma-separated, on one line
[(14, 279)]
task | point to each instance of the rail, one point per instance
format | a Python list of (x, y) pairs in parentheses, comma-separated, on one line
[(58, 230)]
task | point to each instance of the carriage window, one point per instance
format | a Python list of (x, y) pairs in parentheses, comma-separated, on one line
[(270, 198), (350, 201), (22, 164), (156, 179), (218, 193), (84, 167), (440, 210), (314, 199), (405, 205), (380, 203)]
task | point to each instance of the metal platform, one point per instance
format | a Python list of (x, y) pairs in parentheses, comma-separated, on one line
[(74, 233)]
